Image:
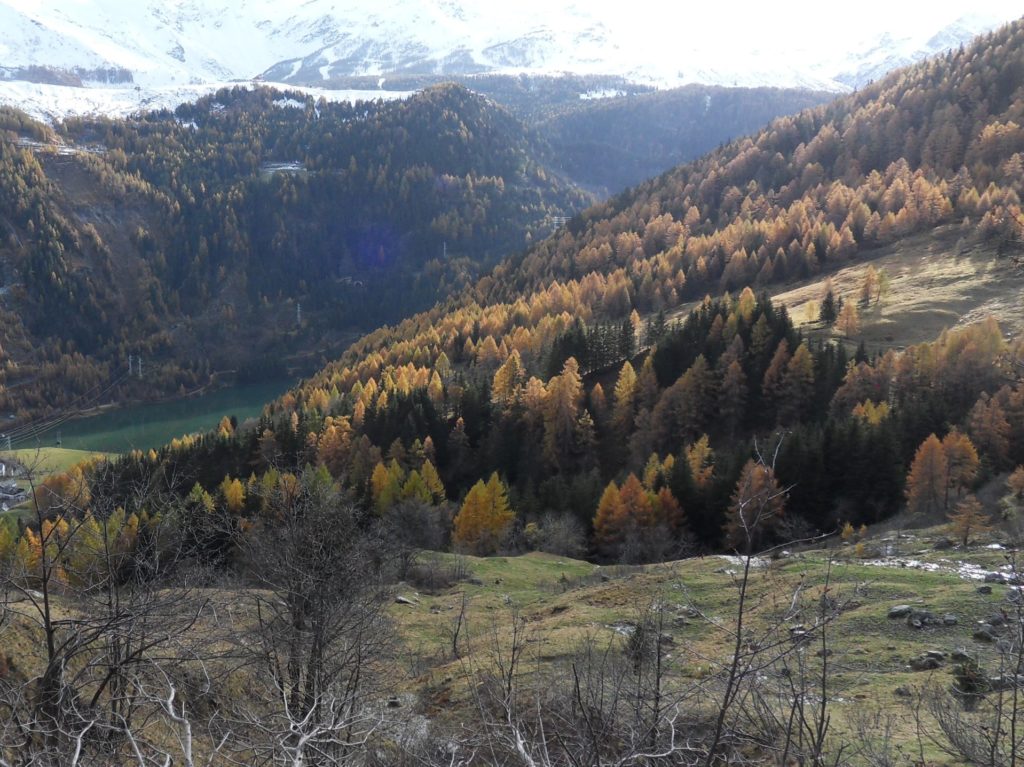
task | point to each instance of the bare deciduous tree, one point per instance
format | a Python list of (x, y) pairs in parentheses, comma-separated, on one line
[(320, 631)]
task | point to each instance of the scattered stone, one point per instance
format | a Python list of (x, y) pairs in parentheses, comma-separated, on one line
[(924, 663), (679, 621), (824, 653), (605, 577), (937, 654), (405, 601), (984, 589), (1006, 646), (949, 619), (942, 544), (898, 611), (984, 634), (959, 656), (902, 692), (918, 619), (474, 582), (996, 619), (1005, 682), (994, 578), (394, 703), (625, 628), (666, 639)]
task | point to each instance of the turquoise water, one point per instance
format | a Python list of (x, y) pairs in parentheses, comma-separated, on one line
[(150, 426)]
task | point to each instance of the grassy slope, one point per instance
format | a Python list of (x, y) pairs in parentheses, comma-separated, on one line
[(938, 280), (45, 461), (562, 600)]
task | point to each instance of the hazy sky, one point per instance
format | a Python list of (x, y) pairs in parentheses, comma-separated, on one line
[(806, 23)]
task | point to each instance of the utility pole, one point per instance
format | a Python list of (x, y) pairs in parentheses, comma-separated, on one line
[(131, 358), (298, 314), (140, 366)]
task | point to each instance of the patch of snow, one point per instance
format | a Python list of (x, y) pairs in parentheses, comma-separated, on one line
[(191, 43), (605, 93), (967, 571), (53, 103), (756, 563), (289, 103)]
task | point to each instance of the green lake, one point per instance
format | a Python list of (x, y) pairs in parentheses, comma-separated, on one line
[(152, 425)]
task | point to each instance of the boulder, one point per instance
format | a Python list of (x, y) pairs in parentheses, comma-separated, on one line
[(949, 619), (920, 618), (899, 611), (984, 634), (400, 600), (994, 578), (942, 544), (1005, 682), (996, 619), (984, 589), (924, 663), (959, 655)]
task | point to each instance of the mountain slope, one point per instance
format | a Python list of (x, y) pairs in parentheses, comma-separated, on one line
[(615, 142), (527, 373), (193, 236)]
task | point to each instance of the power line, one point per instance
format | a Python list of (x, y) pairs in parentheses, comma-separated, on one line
[(33, 430)]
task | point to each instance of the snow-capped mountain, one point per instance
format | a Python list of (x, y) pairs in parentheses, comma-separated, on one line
[(129, 53)]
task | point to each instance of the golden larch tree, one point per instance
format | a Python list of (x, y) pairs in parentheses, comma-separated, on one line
[(755, 509), (968, 519), (928, 478), (485, 517), (608, 521)]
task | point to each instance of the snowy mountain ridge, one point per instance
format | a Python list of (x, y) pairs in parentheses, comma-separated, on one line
[(167, 47)]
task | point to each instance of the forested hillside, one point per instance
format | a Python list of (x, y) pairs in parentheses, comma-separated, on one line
[(608, 133), (317, 586), (544, 382), (192, 237), (614, 143)]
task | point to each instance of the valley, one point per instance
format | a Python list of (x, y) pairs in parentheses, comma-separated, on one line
[(529, 419)]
